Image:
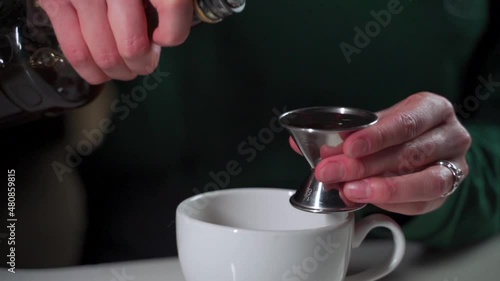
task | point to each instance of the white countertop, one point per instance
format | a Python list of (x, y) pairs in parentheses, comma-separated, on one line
[(477, 263)]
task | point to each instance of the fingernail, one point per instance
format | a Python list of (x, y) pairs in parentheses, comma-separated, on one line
[(332, 172), (155, 48), (358, 190), (155, 58), (358, 148)]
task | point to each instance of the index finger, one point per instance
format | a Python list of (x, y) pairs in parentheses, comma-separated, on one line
[(400, 123)]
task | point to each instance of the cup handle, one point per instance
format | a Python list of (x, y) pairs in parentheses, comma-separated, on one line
[(361, 229)]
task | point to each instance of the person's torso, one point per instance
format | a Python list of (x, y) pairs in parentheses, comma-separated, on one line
[(229, 81)]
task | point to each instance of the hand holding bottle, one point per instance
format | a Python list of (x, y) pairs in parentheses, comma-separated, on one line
[(108, 39)]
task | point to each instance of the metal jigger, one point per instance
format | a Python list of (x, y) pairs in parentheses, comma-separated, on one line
[(319, 132)]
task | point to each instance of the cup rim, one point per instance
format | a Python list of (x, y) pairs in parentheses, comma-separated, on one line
[(349, 216)]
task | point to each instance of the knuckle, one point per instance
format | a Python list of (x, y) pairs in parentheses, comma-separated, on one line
[(78, 57), (380, 136), (439, 102), (444, 106), (362, 169), (441, 182), (423, 95), (108, 60), (418, 97), (464, 138), (410, 152), (409, 124), (447, 107), (135, 47), (392, 192)]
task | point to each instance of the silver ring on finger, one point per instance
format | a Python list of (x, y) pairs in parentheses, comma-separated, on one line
[(457, 173)]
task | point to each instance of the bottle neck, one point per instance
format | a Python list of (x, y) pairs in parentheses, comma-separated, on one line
[(217, 10)]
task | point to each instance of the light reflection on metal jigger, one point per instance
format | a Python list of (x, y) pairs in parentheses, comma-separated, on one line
[(319, 133)]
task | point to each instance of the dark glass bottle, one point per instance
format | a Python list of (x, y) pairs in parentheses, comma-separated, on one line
[(35, 78)]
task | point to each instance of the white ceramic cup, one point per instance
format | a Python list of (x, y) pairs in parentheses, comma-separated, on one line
[(252, 234)]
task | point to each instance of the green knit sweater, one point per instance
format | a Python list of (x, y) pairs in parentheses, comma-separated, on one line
[(219, 94)]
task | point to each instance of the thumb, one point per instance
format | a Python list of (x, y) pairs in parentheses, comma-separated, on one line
[(174, 21)]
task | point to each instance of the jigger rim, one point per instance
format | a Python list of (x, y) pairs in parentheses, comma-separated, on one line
[(369, 115)]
